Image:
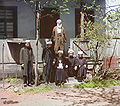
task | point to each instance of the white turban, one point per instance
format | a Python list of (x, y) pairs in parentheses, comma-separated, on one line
[(49, 42), (70, 51), (59, 21), (60, 51), (80, 52), (27, 41)]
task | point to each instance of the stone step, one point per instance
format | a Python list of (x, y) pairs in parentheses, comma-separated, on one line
[(71, 82)]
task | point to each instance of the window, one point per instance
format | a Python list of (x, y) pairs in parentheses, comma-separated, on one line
[(8, 22)]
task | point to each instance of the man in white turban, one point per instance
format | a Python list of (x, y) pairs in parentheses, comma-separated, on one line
[(58, 36), (82, 66), (73, 64)]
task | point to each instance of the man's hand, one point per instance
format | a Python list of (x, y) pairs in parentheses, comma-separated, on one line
[(53, 62), (22, 65), (66, 66), (75, 67), (44, 64), (59, 67), (85, 65)]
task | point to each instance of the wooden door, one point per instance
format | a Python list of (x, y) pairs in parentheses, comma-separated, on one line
[(47, 22)]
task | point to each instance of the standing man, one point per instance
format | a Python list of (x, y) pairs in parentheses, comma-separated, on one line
[(58, 36), (82, 66), (48, 57), (26, 60)]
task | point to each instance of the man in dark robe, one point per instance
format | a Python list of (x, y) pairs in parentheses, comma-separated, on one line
[(26, 60), (73, 63), (48, 57), (82, 66), (61, 65)]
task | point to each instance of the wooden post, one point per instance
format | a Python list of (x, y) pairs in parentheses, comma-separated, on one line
[(82, 24), (37, 26), (3, 64), (37, 38)]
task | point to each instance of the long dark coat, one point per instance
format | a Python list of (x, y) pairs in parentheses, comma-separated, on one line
[(73, 63), (24, 59), (48, 57), (81, 68), (61, 74)]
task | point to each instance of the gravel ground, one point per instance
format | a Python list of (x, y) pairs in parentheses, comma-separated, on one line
[(107, 96)]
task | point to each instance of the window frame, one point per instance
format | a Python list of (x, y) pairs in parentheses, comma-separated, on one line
[(13, 20)]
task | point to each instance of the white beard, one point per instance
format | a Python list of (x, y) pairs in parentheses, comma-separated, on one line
[(59, 28)]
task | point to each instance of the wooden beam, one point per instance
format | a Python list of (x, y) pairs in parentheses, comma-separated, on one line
[(80, 48)]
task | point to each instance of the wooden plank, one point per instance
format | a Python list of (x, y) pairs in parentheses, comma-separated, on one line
[(80, 48)]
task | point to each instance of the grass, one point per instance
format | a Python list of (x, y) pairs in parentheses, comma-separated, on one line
[(42, 88), (62, 86), (13, 79), (93, 84)]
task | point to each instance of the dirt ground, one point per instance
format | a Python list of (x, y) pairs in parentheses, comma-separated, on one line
[(107, 96)]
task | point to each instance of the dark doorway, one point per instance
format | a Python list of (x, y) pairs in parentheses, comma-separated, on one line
[(15, 50), (48, 21)]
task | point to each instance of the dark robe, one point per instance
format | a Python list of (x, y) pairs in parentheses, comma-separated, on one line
[(61, 74), (73, 63), (81, 68), (48, 57)]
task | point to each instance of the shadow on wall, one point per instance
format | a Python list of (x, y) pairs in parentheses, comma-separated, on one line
[(15, 50)]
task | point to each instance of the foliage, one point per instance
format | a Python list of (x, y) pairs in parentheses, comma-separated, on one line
[(42, 88), (62, 86), (60, 5), (112, 19), (13, 79), (96, 34), (93, 84)]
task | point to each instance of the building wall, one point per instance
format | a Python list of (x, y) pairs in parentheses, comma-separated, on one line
[(26, 21), (69, 25), (25, 18)]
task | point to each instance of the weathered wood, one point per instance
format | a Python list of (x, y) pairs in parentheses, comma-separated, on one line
[(82, 24), (80, 48)]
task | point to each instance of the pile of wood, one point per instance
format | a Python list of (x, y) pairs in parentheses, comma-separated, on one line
[(108, 74)]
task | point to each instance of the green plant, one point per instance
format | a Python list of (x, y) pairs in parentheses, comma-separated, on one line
[(13, 79), (62, 86), (93, 84), (42, 88)]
